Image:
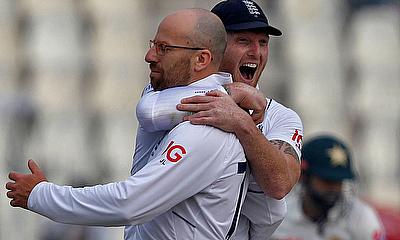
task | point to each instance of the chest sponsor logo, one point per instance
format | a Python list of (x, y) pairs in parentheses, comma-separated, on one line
[(173, 153), (298, 138)]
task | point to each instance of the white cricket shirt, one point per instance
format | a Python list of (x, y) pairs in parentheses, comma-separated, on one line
[(261, 215), (352, 219), (191, 186)]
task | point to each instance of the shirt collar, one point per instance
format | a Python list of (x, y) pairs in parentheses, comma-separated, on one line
[(219, 78)]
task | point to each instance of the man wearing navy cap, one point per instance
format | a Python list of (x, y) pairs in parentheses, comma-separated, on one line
[(321, 208), (235, 17), (271, 135)]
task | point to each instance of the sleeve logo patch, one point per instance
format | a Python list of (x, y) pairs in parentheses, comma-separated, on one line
[(298, 138), (174, 152)]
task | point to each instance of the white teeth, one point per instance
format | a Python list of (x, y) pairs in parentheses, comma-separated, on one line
[(252, 65)]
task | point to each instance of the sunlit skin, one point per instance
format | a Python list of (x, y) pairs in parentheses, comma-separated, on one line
[(175, 67), (274, 165), (161, 74), (21, 185), (246, 47)]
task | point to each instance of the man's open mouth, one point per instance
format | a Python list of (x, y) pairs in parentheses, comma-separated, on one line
[(248, 70)]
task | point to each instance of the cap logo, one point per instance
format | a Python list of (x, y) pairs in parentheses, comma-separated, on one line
[(253, 10), (337, 156)]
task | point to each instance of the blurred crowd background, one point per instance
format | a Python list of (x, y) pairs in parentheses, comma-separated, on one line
[(72, 71)]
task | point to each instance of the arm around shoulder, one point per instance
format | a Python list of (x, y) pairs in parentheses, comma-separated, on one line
[(156, 110), (274, 153)]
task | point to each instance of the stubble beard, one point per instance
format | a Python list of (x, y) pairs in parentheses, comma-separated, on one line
[(179, 74)]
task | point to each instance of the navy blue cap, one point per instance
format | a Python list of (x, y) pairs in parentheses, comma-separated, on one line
[(241, 15), (328, 158)]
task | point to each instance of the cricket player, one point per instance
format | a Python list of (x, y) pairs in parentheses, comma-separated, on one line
[(322, 208), (193, 183), (272, 143)]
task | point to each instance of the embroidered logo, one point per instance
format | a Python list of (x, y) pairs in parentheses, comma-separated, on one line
[(174, 152), (253, 10), (338, 156), (298, 138)]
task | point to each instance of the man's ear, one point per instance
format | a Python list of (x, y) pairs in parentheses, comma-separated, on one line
[(202, 59)]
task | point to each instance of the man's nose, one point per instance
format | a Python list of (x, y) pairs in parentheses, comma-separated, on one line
[(254, 49), (151, 55)]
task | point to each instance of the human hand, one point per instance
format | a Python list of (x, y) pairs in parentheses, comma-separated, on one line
[(216, 109), (249, 98), (22, 185)]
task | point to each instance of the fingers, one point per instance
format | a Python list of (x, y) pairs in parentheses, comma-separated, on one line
[(197, 115), (14, 203), (203, 121), (18, 203), (235, 85), (216, 99), (197, 99), (200, 120), (193, 107), (34, 167), (209, 97), (257, 117), (10, 186), (259, 112), (215, 93), (14, 176), (11, 194)]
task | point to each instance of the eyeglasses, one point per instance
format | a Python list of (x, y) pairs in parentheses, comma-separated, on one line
[(161, 48)]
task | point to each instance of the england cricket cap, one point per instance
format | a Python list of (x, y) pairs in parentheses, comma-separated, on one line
[(241, 15), (328, 158)]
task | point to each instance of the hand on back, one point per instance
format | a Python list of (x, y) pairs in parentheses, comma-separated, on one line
[(224, 111), (248, 98)]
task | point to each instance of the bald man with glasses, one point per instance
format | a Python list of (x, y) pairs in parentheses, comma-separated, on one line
[(186, 183)]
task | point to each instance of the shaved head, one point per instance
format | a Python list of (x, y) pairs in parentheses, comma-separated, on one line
[(210, 32), (194, 42), (203, 28)]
